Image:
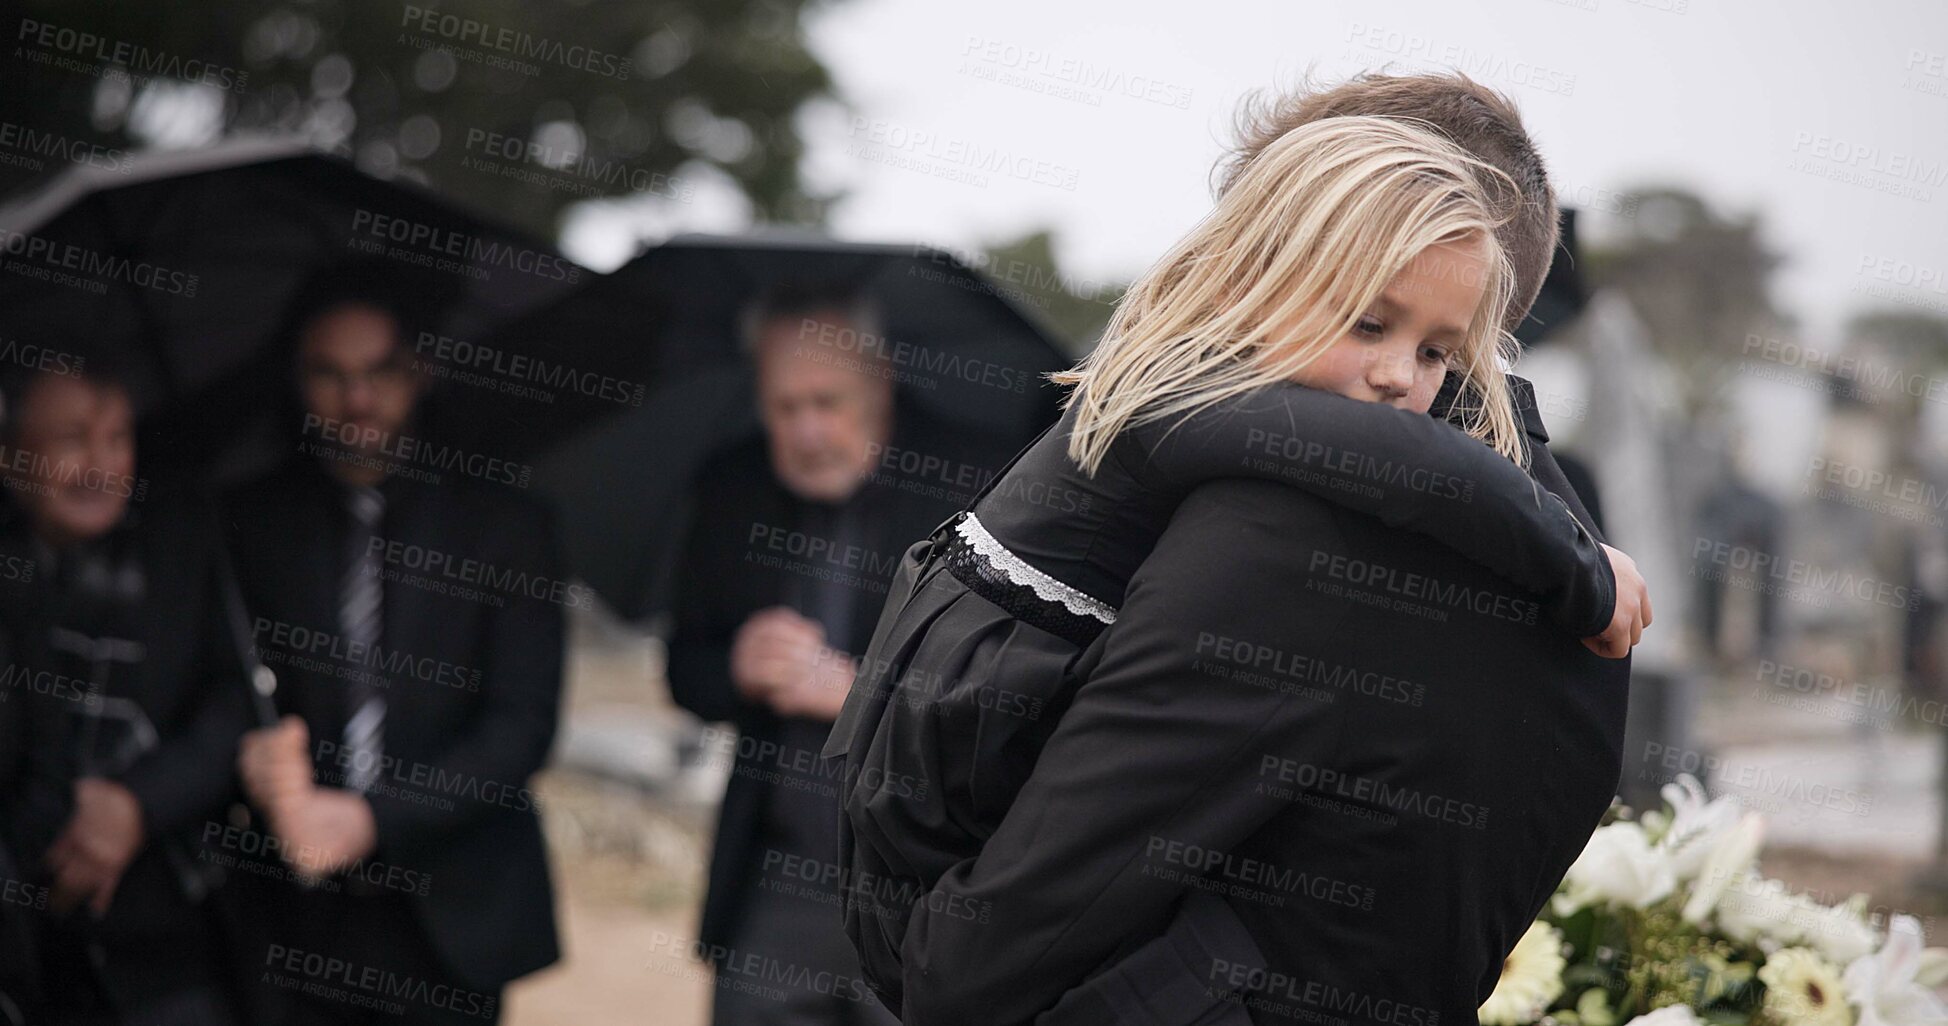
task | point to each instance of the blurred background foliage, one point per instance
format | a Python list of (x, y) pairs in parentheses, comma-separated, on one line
[(608, 95), (521, 109)]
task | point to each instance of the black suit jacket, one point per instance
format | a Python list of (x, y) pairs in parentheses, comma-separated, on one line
[(1379, 755), (471, 648), (741, 556)]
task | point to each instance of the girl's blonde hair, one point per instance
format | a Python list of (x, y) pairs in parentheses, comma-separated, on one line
[(1309, 233)]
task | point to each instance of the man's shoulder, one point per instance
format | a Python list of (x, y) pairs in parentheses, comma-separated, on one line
[(1249, 506), (736, 483)]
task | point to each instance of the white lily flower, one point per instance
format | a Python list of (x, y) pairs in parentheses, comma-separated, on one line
[(1841, 934), (1884, 985), (1731, 856), (1697, 825), (1755, 910), (1933, 968), (1617, 867)]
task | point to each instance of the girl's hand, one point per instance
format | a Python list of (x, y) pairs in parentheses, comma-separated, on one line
[(1632, 613)]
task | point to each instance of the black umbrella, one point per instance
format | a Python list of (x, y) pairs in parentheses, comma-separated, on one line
[(666, 328), (180, 265)]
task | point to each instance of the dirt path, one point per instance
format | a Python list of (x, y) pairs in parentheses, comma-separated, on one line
[(628, 873), (614, 972)]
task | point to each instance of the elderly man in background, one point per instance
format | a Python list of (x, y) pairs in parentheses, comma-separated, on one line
[(794, 538)]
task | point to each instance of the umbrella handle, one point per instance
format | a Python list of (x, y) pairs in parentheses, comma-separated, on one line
[(263, 694), (263, 680)]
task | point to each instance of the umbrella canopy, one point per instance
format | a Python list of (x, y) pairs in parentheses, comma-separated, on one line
[(667, 327), (180, 265)]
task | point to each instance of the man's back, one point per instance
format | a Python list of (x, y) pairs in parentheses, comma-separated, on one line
[(1478, 748), (1379, 754)]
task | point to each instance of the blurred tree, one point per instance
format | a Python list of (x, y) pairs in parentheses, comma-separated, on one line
[(1915, 342), (1026, 271), (521, 108), (1697, 279)]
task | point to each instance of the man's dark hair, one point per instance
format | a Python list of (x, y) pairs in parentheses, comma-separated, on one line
[(1475, 117), (370, 283)]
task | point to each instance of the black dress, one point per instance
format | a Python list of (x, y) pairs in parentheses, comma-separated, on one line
[(974, 658)]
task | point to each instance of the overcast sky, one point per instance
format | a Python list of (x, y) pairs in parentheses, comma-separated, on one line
[(1101, 120)]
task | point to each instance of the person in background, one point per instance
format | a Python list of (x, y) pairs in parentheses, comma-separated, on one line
[(113, 600), (35, 770), (416, 703), (786, 565)]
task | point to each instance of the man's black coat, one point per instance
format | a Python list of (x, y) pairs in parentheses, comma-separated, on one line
[(471, 645), (1380, 756), (154, 581), (743, 554)]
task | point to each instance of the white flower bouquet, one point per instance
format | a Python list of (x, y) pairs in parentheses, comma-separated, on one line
[(1664, 920)]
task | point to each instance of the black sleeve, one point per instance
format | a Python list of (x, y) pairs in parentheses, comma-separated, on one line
[(1410, 470), (698, 652)]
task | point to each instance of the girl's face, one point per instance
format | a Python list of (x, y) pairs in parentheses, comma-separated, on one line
[(1400, 348)]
